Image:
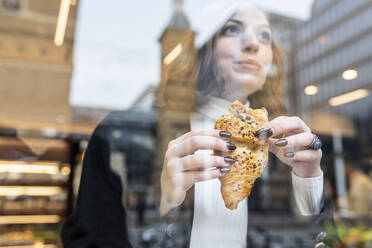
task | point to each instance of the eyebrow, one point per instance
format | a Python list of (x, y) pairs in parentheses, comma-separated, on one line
[(242, 24), (236, 21)]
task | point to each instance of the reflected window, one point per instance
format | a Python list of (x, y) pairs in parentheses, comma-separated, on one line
[(11, 5)]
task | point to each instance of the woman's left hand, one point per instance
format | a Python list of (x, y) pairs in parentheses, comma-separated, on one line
[(291, 147)]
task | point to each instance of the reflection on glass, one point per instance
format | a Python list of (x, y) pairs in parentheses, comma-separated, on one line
[(98, 101)]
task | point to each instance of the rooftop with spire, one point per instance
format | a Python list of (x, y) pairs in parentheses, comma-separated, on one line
[(179, 20)]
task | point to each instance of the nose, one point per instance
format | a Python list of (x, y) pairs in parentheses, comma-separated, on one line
[(250, 42)]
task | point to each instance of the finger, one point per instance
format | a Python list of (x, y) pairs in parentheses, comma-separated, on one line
[(310, 156), (290, 154), (286, 125), (272, 147), (300, 140), (202, 132), (291, 157), (203, 162), (194, 143), (193, 177), (198, 132)]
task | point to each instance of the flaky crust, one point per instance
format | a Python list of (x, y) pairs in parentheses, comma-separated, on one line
[(250, 153), (242, 122)]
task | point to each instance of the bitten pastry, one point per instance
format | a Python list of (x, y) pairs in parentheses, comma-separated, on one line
[(251, 153)]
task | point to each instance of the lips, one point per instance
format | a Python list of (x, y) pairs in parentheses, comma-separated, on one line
[(248, 65)]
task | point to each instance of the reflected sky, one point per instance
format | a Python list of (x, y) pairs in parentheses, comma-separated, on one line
[(116, 53)]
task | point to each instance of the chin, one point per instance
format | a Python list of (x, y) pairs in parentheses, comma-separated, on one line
[(249, 83)]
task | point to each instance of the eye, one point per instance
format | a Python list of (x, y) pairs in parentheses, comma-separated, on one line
[(265, 36), (231, 30)]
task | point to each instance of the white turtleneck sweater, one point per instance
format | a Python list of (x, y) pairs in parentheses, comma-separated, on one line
[(216, 226)]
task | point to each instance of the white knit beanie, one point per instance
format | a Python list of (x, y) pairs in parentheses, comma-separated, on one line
[(212, 16)]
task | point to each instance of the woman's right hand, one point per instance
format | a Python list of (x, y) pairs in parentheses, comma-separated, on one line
[(182, 168)]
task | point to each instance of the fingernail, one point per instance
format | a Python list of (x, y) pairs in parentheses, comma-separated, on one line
[(263, 133), (224, 170), (225, 134), (289, 154), (230, 146), (281, 142), (259, 131), (229, 160), (269, 132)]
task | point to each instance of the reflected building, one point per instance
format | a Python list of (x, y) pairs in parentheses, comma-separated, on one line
[(38, 149), (176, 94), (35, 73), (332, 47), (334, 81), (284, 31)]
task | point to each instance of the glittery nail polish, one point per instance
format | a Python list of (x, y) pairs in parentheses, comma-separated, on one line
[(225, 134), (230, 146), (289, 154), (229, 160), (224, 170), (281, 142)]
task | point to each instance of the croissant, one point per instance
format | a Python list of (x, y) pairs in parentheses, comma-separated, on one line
[(251, 153)]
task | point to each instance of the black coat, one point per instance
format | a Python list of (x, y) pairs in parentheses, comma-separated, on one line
[(99, 217)]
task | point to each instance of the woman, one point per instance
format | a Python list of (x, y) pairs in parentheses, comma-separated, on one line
[(234, 64)]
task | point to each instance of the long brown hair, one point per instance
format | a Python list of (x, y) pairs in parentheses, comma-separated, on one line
[(209, 84)]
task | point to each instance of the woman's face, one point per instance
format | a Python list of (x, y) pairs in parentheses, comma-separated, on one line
[(244, 54)]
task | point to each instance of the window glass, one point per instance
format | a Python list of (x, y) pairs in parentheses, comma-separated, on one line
[(185, 123)]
